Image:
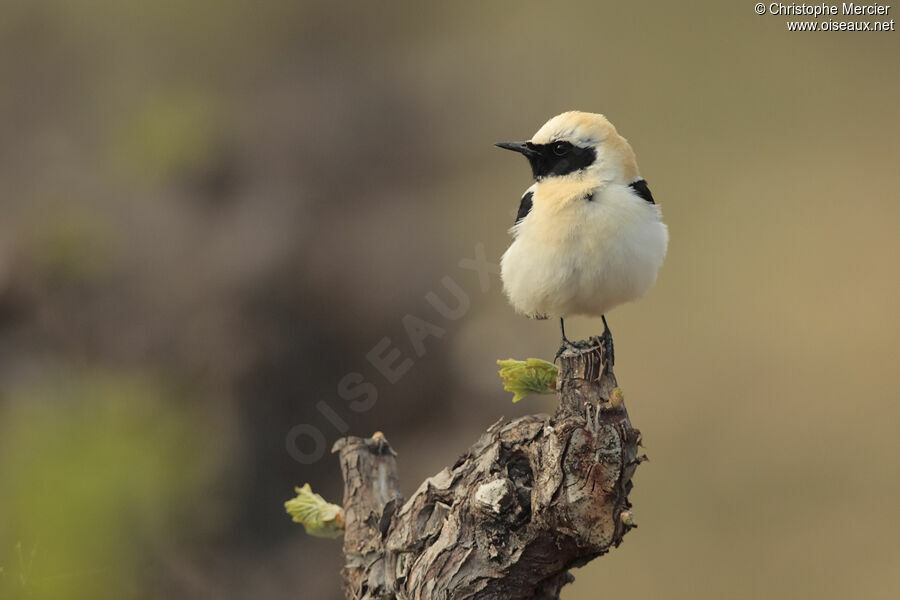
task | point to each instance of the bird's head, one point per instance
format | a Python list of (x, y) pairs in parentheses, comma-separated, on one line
[(578, 145)]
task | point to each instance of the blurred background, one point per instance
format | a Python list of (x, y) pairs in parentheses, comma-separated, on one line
[(215, 213)]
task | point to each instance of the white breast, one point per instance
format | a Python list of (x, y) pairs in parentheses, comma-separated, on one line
[(574, 256)]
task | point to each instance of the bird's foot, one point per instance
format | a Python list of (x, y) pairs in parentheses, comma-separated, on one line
[(565, 345), (579, 346)]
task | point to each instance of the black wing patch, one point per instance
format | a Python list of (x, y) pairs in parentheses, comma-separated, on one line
[(641, 189), (524, 206)]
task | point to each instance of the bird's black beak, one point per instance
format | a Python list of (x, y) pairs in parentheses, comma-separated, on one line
[(520, 147)]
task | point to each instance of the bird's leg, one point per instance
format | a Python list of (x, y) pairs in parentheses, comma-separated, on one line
[(606, 340), (566, 344)]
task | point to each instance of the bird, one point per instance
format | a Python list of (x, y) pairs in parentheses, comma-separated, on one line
[(588, 234)]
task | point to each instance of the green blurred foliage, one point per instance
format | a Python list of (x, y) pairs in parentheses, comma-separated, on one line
[(94, 468), (169, 134), (69, 243)]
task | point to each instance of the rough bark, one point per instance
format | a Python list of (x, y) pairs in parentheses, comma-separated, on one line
[(371, 494), (534, 497)]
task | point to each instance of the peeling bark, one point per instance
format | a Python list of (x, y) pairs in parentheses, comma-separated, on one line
[(531, 499)]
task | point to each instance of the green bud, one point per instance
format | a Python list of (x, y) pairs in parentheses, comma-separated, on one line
[(531, 376), (319, 518)]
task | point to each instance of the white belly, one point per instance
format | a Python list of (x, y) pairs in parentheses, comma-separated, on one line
[(583, 257)]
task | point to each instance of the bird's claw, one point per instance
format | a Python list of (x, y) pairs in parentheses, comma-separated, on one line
[(566, 345)]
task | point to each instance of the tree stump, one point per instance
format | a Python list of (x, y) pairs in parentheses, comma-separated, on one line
[(533, 498)]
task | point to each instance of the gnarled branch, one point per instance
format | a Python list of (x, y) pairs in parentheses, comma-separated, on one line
[(534, 497)]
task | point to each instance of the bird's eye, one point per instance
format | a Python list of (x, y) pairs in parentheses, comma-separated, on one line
[(560, 148)]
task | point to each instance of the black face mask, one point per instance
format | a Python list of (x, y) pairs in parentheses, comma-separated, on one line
[(556, 158)]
